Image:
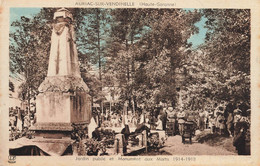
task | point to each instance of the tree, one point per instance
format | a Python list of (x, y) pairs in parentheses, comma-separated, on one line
[(30, 42), (219, 70), (126, 28), (158, 47), (228, 38), (228, 46), (29, 50), (164, 51), (92, 36)]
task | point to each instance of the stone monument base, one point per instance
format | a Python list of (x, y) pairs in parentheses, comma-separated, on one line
[(63, 107), (62, 101), (52, 130)]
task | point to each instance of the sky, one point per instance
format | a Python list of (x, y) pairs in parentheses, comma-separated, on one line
[(16, 13), (196, 40), (199, 38)]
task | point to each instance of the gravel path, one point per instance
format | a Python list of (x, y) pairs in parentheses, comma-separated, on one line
[(174, 146)]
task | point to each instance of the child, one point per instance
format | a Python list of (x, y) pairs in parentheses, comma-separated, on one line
[(221, 120), (229, 123), (212, 126)]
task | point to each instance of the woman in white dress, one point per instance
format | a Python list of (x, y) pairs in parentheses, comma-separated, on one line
[(91, 127), (159, 123)]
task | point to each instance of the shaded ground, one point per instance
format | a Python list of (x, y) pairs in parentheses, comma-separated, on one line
[(208, 144), (216, 140), (174, 146)]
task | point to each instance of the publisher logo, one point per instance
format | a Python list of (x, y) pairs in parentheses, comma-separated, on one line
[(11, 159)]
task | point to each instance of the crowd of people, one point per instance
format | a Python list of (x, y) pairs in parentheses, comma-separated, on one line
[(224, 119), (227, 119), (20, 120)]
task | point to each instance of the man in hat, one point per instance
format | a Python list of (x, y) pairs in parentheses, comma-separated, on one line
[(181, 119), (237, 115), (201, 120), (239, 140), (163, 118), (27, 122), (241, 127), (248, 116), (171, 117), (219, 118)]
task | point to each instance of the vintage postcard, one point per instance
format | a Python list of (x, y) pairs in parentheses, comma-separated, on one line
[(130, 82)]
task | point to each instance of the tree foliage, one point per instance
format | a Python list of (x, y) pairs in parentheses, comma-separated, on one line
[(228, 38), (30, 41), (144, 54), (148, 45), (219, 71), (29, 52)]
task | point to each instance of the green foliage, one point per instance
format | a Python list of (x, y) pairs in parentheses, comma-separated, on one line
[(219, 71), (228, 41), (93, 147), (30, 41), (92, 32), (147, 46), (143, 54), (29, 50)]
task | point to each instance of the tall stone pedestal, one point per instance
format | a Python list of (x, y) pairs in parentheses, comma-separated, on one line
[(64, 101), (63, 97)]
